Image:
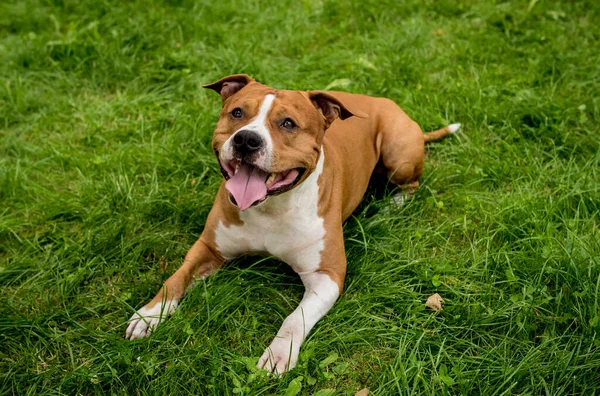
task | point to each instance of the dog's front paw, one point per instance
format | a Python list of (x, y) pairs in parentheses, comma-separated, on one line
[(280, 356), (147, 318)]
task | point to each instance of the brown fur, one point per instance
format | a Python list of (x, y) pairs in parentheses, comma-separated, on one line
[(379, 133)]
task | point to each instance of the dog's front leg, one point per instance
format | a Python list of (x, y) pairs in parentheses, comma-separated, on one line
[(320, 294), (200, 261)]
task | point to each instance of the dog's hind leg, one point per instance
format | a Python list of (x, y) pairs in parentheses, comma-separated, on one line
[(403, 151), (402, 154)]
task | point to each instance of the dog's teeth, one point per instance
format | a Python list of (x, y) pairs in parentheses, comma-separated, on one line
[(237, 168), (271, 178)]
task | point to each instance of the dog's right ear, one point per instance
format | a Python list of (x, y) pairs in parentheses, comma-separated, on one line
[(227, 86)]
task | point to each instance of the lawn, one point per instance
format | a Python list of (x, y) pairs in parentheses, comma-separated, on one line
[(106, 178)]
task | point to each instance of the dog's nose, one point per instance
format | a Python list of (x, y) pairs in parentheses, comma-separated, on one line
[(246, 142)]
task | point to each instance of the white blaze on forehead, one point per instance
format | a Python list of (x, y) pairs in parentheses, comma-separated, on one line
[(259, 125), (259, 122)]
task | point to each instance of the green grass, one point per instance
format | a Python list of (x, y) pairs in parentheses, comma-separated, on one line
[(106, 178)]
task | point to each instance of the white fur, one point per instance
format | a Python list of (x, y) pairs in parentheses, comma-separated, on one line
[(454, 127), (145, 319), (286, 226), (320, 295), (258, 125), (399, 199)]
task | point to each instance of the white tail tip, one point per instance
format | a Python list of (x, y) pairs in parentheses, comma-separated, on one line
[(454, 127)]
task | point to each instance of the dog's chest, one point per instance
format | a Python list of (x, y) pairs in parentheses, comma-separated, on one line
[(286, 226)]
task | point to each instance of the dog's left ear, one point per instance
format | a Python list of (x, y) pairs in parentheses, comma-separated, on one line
[(332, 108), (228, 86)]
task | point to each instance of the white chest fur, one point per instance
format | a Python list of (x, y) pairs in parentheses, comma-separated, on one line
[(286, 226)]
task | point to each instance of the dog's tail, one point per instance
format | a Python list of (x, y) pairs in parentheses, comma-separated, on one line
[(441, 133)]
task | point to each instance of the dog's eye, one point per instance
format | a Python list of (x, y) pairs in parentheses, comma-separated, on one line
[(288, 124), (236, 113)]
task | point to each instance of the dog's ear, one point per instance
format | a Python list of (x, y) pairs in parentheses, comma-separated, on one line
[(227, 86), (331, 108)]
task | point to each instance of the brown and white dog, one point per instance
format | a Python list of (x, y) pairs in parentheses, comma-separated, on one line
[(295, 166)]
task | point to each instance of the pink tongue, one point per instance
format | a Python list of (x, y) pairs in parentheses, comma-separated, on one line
[(247, 186)]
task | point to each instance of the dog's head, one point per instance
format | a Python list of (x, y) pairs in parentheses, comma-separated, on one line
[(268, 141)]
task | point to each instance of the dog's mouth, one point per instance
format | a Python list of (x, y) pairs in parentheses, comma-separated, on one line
[(250, 185)]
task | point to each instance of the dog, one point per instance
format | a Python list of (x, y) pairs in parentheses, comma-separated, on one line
[(295, 165)]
